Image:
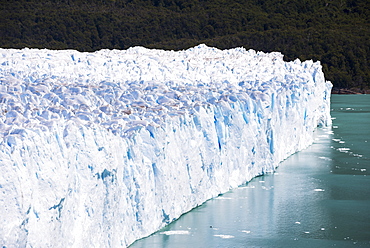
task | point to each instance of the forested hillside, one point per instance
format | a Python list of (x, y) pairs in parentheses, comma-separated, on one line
[(336, 32)]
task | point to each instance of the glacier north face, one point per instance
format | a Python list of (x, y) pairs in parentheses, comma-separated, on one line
[(101, 149)]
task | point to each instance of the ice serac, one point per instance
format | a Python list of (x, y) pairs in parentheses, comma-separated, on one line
[(100, 149)]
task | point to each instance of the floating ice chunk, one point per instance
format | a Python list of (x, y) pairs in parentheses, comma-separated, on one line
[(344, 149), (267, 188), (325, 158), (177, 232), (223, 236)]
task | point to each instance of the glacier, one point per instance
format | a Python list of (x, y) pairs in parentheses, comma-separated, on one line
[(101, 149)]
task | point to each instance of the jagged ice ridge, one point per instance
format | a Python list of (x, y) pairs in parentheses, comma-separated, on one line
[(101, 149)]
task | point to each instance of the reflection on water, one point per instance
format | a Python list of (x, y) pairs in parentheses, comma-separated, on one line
[(319, 197)]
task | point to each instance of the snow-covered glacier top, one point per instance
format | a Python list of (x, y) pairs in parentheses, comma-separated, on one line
[(120, 143), (125, 90)]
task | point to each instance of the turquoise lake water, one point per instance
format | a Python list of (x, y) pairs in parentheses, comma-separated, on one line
[(319, 197)]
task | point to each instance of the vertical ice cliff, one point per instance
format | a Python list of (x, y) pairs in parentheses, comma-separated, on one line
[(100, 149)]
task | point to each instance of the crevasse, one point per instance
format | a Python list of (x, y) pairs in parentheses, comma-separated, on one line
[(101, 149)]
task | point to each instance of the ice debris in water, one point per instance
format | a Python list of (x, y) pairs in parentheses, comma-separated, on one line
[(319, 190), (103, 148), (223, 236), (177, 232)]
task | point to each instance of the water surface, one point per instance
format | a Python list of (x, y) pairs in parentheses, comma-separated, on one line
[(319, 197)]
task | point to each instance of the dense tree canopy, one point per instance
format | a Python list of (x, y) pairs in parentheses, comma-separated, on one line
[(336, 32)]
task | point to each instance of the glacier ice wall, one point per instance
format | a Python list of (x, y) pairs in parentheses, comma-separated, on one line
[(100, 149)]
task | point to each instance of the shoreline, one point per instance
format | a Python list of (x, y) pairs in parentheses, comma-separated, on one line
[(352, 91)]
